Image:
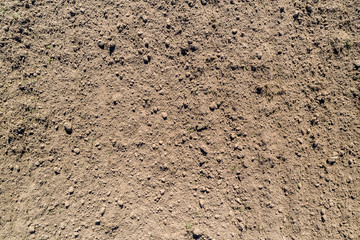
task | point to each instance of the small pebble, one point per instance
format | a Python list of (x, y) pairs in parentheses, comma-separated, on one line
[(97, 222), (357, 64), (322, 211), (237, 146), (102, 211), (309, 9), (112, 46), (164, 115), (57, 170), (213, 106), (31, 230), (332, 160), (132, 215), (67, 204), (76, 150), (197, 233), (62, 225), (116, 98), (121, 204), (71, 190), (146, 59), (168, 23), (162, 191), (349, 179), (234, 31), (144, 18), (101, 44), (68, 127), (203, 149), (17, 168), (201, 203)]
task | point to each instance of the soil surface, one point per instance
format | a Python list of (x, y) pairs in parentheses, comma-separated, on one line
[(180, 119)]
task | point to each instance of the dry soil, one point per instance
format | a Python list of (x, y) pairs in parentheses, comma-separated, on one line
[(181, 119)]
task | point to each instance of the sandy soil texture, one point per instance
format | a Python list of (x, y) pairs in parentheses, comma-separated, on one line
[(180, 119)]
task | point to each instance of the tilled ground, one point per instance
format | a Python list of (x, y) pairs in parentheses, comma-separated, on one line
[(211, 119)]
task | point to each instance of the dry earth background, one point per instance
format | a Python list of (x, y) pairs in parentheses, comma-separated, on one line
[(149, 119)]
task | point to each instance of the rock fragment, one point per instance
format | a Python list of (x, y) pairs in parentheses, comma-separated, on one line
[(308, 9), (68, 127), (202, 203), (357, 64), (76, 151), (57, 170), (102, 211), (101, 44), (112, 46), (31, 229), (164, 115), (197, 233), (71, 190), (213, 106)]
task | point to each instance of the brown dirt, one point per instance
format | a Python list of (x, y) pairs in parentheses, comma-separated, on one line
[(211, 119)]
